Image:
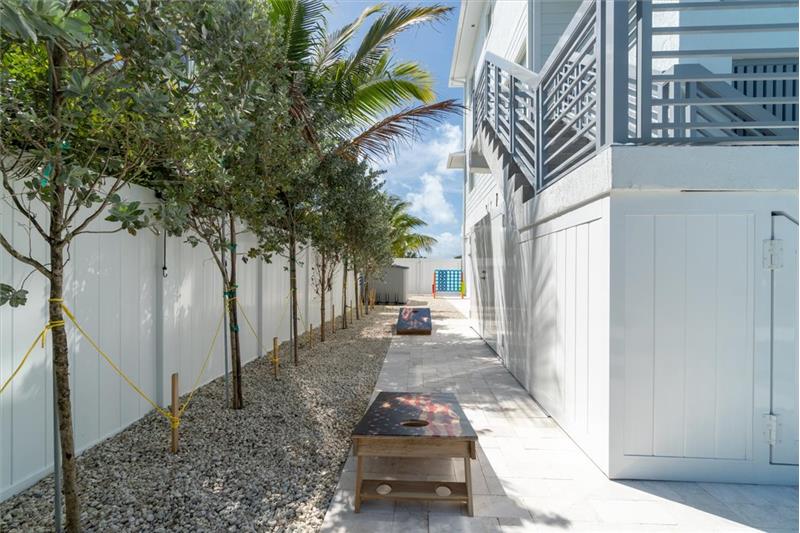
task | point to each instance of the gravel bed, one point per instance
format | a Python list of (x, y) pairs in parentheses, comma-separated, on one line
[(271, 466)]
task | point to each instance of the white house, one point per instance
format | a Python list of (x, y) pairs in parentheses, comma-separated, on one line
[(630, 227)]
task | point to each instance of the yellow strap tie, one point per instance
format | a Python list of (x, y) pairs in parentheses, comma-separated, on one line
[(51, 325), (250, 325), (24, 358), (174, 421)]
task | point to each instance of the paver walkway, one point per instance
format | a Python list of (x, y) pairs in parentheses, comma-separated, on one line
[(529, 475)]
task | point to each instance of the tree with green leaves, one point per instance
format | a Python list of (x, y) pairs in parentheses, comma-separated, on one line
[(375, 243), (218, 172), (406, 241), (339, 191), (87, 90), (371, 101)]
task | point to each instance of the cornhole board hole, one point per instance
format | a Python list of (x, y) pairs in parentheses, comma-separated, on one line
[(408, 424), (414, 321)]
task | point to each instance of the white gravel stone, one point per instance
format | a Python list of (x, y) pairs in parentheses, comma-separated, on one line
[(271, 466)]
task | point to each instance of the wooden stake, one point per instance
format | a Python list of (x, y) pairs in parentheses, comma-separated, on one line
[(351, 311), (275, 360), (174, 411)]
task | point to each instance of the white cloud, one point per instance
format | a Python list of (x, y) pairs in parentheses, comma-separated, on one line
[(430, 203), (447, 245), (428, 155)]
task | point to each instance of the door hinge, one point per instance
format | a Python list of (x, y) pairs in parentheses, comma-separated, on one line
[(771, 429), (772, 257)]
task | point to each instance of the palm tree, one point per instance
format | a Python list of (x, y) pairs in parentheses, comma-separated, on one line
[(376, 102), (405, 241)]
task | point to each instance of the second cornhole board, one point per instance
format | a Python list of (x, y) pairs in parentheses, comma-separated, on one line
[(414, 321)]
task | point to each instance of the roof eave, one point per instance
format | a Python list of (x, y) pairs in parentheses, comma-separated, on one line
[(468, 18)]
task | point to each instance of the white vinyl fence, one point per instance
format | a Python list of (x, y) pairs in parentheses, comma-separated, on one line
[(150, 325), (420, 273)]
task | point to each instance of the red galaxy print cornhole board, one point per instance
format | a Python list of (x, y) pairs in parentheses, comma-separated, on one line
[(414, 321), (390, 410), (414, 425)]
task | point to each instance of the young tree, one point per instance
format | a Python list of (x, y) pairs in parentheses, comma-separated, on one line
[(366, 239), (359, 89), (280, 211), (87, 90), (338, 190), (239, 93)]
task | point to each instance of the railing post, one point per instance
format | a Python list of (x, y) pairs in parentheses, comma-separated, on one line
[(538, 128), (496, 98), (612, 27), (644, 69), (512, 112)]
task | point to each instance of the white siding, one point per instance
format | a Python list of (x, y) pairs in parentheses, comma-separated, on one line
[(690, 322), (688, 302), (561, 351), (553, 18)]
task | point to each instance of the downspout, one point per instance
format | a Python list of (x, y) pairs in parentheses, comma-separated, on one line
[(159, 311)]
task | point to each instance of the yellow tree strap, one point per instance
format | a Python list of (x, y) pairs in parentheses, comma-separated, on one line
[(250, 325), (41, 335), (285, 311), (117, 369), (173, 420), (300, 317), (51, 325), (203, 368)]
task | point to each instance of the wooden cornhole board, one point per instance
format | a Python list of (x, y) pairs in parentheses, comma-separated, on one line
[(408, 424), (414, 321)]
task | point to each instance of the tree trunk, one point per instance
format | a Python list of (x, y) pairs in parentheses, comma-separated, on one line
[(344, 293), (322, 298), (366, 295), (69, 467), (355, 291), (293, 288), (237, 399), (69, 470)]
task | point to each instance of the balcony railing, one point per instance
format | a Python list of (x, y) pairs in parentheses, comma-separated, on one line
[(622, 73)]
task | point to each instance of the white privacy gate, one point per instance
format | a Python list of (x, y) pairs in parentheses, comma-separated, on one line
[(783, 262), (485, 281)]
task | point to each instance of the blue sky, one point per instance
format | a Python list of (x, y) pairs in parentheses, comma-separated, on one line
[(418, 173)]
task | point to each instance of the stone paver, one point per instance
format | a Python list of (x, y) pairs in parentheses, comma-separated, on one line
[(529, 475)]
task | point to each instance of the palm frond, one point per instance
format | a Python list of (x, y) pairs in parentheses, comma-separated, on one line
[(385, 29), (417, 242), (330, 48), (389, 88), (406, 242), (301, 23), (382, 139)]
